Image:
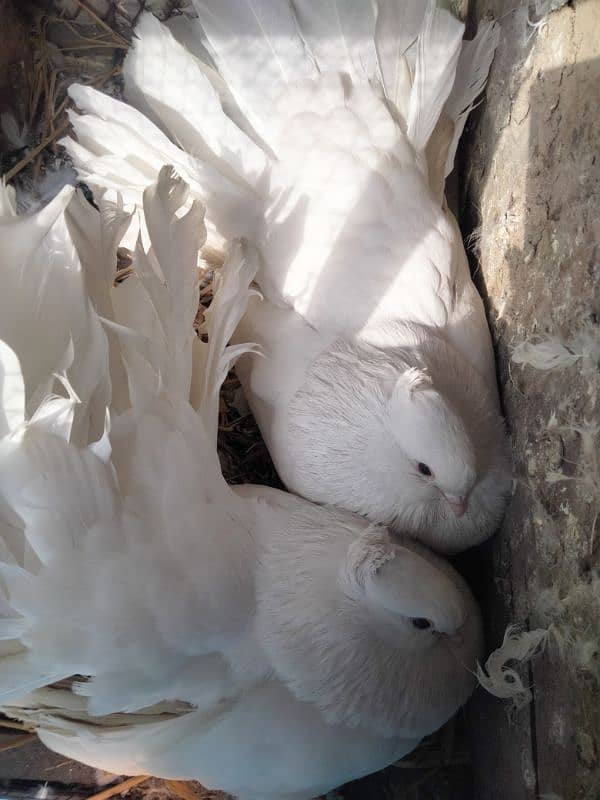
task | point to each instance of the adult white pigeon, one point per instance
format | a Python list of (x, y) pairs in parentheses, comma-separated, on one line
[(248, 639), (323, 133)]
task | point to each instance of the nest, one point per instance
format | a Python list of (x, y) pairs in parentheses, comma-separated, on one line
[(52, 44), (64, 42)]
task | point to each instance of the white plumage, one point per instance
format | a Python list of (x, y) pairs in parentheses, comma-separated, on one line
[(246, 638), (42, 273), (323, 133)]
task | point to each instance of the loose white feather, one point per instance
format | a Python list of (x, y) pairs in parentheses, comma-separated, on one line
[(557, 352), (503, 681)]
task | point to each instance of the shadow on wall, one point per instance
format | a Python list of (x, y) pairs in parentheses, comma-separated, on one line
[(13, 52), (533, 181)]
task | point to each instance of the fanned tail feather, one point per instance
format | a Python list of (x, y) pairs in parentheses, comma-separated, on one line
[(166, 269), (258, 52), (231, 295), (397, 28), (120, 151), (42, 274), (182, 100), (339, 35), (233, 120), (474, 64), (40, 511), (152, 313), (438, 48), (96, 538), (97, 235)]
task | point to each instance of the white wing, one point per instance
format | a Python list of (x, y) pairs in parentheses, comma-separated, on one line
[(339, 34), (258, 51), (42, 275), (180, 97), (12, 389), (349, 212), (103, 541)]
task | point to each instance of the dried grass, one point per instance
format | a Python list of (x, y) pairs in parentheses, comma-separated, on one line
[(18, 741), (61, 50)]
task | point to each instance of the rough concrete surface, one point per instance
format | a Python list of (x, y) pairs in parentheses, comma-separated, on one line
[(532, 184)]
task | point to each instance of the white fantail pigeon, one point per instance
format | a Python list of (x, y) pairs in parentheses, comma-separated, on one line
[(246, 638), (322, 132)]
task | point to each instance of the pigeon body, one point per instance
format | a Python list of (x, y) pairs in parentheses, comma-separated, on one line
[(322, 133), (243, 637)]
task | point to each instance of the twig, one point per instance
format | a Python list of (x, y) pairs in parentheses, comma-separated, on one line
[(119, 788), (57, 131), (14, 726), (59, 765), (17, 742), (8, 176), (76, 31), (102, 23), (182, 789), (96, 46)]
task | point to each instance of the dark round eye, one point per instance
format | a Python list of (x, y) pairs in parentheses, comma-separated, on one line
[(424, 469), (421, 623)]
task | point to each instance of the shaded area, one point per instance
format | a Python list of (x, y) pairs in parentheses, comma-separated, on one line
[(533, 185)]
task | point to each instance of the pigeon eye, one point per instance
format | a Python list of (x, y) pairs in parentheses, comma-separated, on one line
[(421, 623), (424, 469)]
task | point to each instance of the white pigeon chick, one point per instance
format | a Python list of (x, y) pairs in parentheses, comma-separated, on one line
[(245, 638), (323, 133)]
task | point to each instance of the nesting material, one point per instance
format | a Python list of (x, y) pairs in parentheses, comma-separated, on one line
[(503, 681), (572, 614), (64, 41), (555, 352)]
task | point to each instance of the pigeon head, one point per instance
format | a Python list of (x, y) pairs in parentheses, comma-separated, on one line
[(411, 438), (373, 628), (399, 591), (441, 456), (412, 598)]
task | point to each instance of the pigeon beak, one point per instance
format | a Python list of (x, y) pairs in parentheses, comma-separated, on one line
[(457, 504)]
